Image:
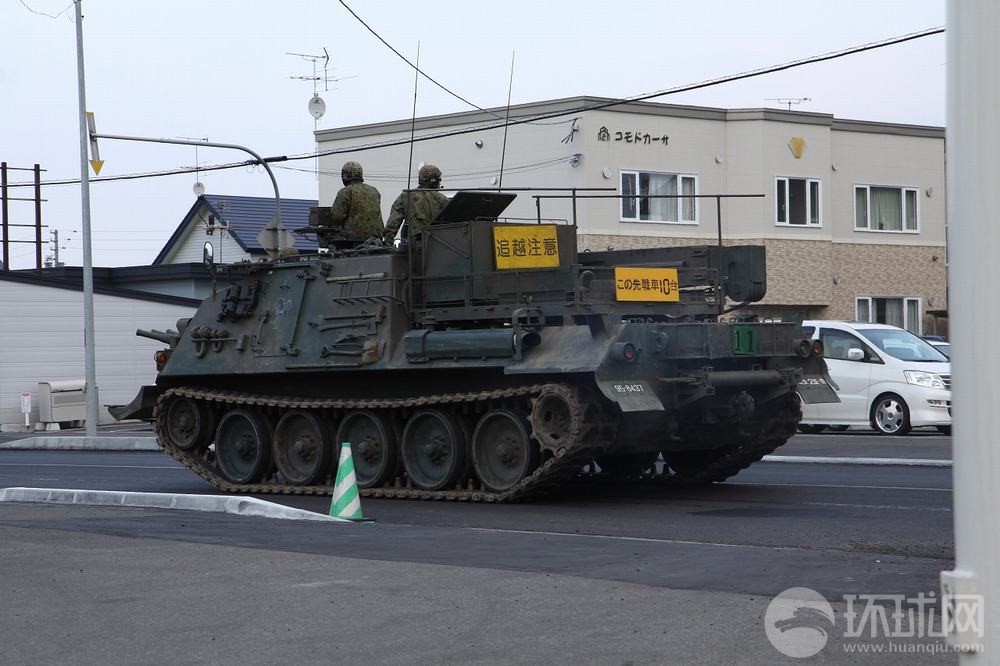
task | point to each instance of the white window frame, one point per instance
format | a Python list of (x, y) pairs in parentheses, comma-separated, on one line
[(903, 208), (810, 204), (868, 302), (677, 202)]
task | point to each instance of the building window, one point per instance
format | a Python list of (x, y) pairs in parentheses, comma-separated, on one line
[(885, 208), (639, 190), (901, 312), (797, 202)]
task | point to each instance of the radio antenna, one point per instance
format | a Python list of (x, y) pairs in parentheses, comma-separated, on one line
[(413, 118), (506, 120)]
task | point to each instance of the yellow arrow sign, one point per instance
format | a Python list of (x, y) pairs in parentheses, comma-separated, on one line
[(96, 162)]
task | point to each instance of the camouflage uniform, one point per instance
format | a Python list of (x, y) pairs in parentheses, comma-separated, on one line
[(425, 204), (358, 206)]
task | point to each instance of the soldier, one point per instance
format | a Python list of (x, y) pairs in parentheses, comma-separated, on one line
[(424, 204), (358, 206)]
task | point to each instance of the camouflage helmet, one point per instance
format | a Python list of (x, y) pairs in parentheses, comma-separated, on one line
[(351, 171), (429, 176)]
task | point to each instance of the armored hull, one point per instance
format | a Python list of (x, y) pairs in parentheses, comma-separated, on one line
[(494, 363)]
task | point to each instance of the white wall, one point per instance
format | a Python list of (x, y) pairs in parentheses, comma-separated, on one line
[(191, 244), (867, 158), (731, 152), (464, 165), (41, 329)]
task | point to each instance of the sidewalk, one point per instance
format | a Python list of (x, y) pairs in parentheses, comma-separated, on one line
[(131, 436)]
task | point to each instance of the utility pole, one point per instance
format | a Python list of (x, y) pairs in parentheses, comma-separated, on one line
[(90, 364), (53, 259), (973, 160)]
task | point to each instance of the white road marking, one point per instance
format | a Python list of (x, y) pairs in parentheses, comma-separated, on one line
[(881, 507), (628, 538), (831, 460), (841, 485)]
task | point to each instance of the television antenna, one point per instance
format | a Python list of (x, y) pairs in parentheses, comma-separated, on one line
[(788, 100), (317, 107), (316, 104)]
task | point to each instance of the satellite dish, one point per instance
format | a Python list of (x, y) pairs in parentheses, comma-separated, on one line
[(199, 189), (317, 107)]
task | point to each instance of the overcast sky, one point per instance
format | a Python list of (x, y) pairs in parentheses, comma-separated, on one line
[(219, 69)]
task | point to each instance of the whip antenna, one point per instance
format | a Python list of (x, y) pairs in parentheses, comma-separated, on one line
[(413, 120), (506, 120)]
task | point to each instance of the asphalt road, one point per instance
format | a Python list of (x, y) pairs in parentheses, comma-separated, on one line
[(600, 573)]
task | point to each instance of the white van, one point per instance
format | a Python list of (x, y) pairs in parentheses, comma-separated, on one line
[(886, 377)]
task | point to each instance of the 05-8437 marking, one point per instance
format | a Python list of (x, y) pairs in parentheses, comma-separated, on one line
[(629, 388)]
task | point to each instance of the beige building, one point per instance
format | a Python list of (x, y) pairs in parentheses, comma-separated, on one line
[(852, 212)]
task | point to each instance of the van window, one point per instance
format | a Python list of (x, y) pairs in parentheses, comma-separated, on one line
[(807, 331), (904, 345), (836, 343)]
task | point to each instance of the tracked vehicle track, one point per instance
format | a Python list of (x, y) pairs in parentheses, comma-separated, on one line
[(762, 438), (590, 432), (587, 434)]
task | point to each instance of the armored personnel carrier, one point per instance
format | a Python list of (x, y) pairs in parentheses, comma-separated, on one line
[(495, 362)]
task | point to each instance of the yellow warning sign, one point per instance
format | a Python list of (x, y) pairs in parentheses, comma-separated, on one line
[(525, 246), (95, 156), (646, 284)]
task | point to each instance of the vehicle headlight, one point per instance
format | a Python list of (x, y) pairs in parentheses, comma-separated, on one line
[(926, 379)]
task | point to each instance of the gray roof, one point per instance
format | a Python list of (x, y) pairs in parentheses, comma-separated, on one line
[(246, 217)]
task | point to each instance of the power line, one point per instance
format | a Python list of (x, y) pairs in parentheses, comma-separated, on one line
[(416, 68), (51, 16), (557, 114), (452, 173)]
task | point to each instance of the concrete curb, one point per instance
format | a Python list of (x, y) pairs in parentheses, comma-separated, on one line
[(236, 504), (83, 443), (830, 460)]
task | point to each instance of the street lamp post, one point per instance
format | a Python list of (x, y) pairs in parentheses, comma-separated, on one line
[(90, 364)]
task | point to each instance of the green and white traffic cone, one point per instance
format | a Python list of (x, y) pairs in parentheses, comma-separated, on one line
[(346, 500)]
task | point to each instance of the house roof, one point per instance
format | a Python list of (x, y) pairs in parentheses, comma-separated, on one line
[(246, 217), (571, 106), (104, 283)]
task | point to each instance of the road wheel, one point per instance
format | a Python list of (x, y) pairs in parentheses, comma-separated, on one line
[(302, 448), (890, 415), (243, 446), (811, 429), (190, 424), (434, 449), (373, 445), (502, 451)]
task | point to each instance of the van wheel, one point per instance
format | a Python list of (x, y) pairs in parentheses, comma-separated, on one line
[(811, 429), (890, 415)]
